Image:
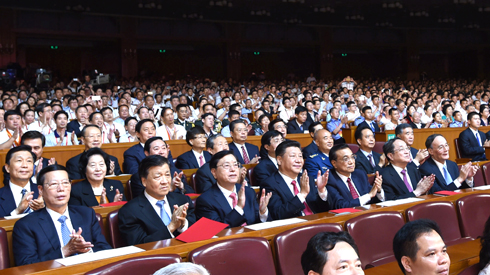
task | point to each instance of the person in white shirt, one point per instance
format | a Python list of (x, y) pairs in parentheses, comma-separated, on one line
[(150, 103), (395, 119), (130, 127), (123, 113), (288, 112), (45, 123), (73, 104), (353, 112), (109, 124), (169, 130), (11, 134), (108, 135), (427, 117), (60, 136)]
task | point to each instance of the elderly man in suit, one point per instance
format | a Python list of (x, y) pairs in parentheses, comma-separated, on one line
[(348, 187), (268, 165), (197, 156), (320, 161), (245, 153), (312, 147), (228, 201), (405, 132), (472, 141), (58, 230), (294, 195), (91, 137), (133, 156), (158, 214), (204, 177), (401, 180), (366, 159), (446, 171)]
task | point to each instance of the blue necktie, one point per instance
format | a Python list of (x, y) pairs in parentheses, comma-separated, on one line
[(28, 209), (301, 128), (65, 233), (372, 127), (163, 214), (478, 139), (34, 171), (447, 177)]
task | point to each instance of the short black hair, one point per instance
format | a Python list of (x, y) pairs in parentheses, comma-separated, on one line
[(140, 123), (144, 107), (470, 115), (92, 152), (92, 115), (149, 162), (267, 136), (333, 152), (80, 107), (399, 129), (82, 133), (234, 123), (389, 146), (358, 133), (40, 108), (430, 140), (210, 141), (281, 148), (234, 106), (33, 135), (41, 176), (20, 148), (105, 109), (390, 112), (180, 106), (150, 141), (405, 241), (11, 113), (60, 113), (213, 163), (299, 110), (233, 113), (206, 115), (315, 256), (365, 108), (274, 122), (193, 132), (312, 126)]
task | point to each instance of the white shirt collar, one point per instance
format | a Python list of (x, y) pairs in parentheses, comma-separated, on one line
[(55, 215), (197, 154), (274, 160), (225, 191), (366, 153), (342, 177), (287, 179), (440, 165), (151, 199), (398, 169)]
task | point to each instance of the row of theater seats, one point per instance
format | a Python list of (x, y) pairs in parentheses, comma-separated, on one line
[(372, 232)]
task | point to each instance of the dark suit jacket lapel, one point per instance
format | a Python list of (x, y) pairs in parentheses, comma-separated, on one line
[(398, 180), (358, 183), (110, 190), (435, 170), (283, 186), (237, 152), (148, 211), (47, 226), (7, 200), (220, 199), (192, 158), (35, 189), (140, 152), (345, 191), (413, 177), (88, 193), (376, 158)]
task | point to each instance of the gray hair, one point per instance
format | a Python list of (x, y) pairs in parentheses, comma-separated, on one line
[(210, 141), (182, 269)]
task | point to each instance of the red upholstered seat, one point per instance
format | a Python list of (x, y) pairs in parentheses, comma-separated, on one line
[(250, 178), (137, 265), (473, 212), (353, 147), (444, 214), (373, 234), (101, 224), (456, 145), (472, 270), (115, 239), (130, 192), (4, 250), (486, 172), (192, 182), (242, 256), (290, 245), (378, 147)]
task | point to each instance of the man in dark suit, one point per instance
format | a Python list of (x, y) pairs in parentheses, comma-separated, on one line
[(91, 137), (158, 214), (58, 230), (268, 165), (311, 115), (472, 141), (77, 125), (405, 132), (416, 121), (368, 115), (228, 201), (312, 147), (204, 177), (245, 153), (446, 171), (19, 195), (157, 146), (320, 161), (133, 156), (366, 159), (299, 124), (294, 195), (197, 156), (401, 180), (348, 187)]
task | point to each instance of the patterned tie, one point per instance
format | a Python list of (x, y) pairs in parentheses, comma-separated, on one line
[(370, 157), (163, 214), (352, 190), (478, 138), (307, 209), (201, 161), (245, 156), (405, 180), (28, 209), (65, 233), (447, 176), (372, 127)]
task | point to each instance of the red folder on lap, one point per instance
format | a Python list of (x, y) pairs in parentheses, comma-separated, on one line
[(203, 229), (345, 210), (447, 193), (113, 203)]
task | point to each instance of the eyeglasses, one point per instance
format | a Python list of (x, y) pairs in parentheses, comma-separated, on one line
[(402, 149), (227, 166), (55, 185), (347, 158), (277, 140), (242, 130)]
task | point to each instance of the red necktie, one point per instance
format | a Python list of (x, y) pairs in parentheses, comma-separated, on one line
[(245, 156), (201, 162), (307, 209), (352, 189), (234, 200)]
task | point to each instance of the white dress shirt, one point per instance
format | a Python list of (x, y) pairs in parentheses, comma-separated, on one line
[(55, 216), (17, 193), (479, 137), (456, 180), (274, 160), (363, 199), (166, 207)]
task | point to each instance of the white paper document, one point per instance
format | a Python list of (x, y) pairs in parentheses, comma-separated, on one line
[(398, 202), (265, 225), (15, 216), (484, 187), (104, 254)]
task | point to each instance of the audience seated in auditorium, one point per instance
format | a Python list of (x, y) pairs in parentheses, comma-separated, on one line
[(311, 148), (419, 249), (267, 165), (294, 194), (367, 160), (348, 187), (58, 230), (96, 189), (329, 253), (232, 116), (60, 136), (169, 130), (395, 119), (245, 153), (158, 214), (229, 201), (10, 135), (401, 180), (91, 137), (472, 141), (145, 129)]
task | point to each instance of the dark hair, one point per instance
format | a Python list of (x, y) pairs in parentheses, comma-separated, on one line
[(206, 115), (405, 241), (234, 123), (72, 98), (140, 123), (213, 163), (150, 141), (430, 140), (41, 176), (299, 110), (390, 112), (365, 108), (82, 133), (144, 107), (485, 245), (105, 109), (149, 162), (92, 152), (181, 106), (274, 122), (315, 256), (358, 133), (14, 150), (312, 126), (33, 135), (60, 113), (80, 107), (267, 136), (210, 141), (11, 113), (435, 114), (234, 106), (128, 119), (333, 152), (399, 129), (193, 132), (389, 146), (470, 115), (40, 108), (233, 113), (92, 115), (22, 103), (281, 148)]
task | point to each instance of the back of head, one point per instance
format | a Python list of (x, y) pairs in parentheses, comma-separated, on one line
[(183, 268)]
